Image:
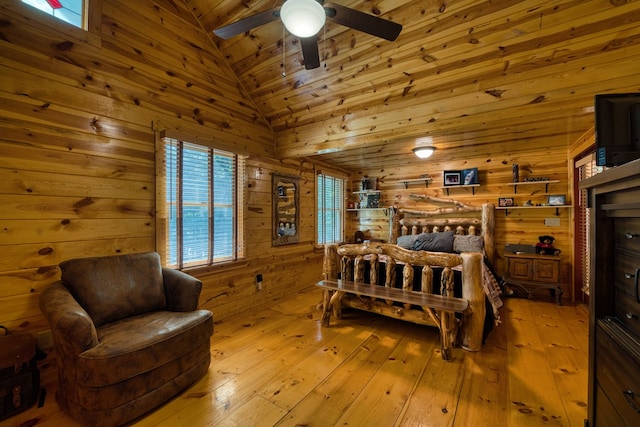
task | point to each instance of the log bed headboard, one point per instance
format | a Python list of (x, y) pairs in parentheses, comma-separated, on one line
[(461, 218)]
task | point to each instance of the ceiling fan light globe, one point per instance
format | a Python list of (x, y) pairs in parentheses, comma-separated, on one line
[(302, 18)]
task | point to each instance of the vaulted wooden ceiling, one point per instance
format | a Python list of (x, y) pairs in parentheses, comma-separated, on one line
[(475, 76)]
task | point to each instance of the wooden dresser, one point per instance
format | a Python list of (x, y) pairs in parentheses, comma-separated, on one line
[(614, 330)]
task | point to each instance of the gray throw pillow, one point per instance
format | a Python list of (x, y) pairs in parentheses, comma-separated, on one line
[(467, 243), (434, 242), (407, 241)]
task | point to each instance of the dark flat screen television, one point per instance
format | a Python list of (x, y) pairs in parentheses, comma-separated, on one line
[(617, 128)]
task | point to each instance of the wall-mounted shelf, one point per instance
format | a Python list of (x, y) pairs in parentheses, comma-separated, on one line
[(406, 182), (367, 192), (385, 210), (472, 186), (545, 183), (557, 208)]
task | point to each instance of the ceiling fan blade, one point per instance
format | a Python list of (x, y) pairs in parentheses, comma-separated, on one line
[(310, 52), (246, 24), (361, 21)]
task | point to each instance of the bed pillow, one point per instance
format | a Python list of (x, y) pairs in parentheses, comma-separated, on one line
[(407, 241), (434, 242), (467, 243)]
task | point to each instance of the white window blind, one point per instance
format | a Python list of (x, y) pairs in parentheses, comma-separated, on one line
[(585, 168), (203, 204), (330, 209)]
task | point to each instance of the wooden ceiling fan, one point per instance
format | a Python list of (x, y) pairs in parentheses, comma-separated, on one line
[(305, 18)]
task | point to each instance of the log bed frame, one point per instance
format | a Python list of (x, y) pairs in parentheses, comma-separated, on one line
[(462, 218), (354, 290)]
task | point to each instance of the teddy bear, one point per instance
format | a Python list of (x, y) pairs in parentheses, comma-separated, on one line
[(545, 246)]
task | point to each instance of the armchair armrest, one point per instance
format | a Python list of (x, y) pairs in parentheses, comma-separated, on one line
[(72, 328), (182, 291)]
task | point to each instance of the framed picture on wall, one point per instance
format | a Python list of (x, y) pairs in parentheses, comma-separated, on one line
[(452, 178), (505, 202), (557, 200), (373, 200), (470, 176)]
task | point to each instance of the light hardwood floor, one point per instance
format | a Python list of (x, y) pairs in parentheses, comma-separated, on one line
[(277, 366)]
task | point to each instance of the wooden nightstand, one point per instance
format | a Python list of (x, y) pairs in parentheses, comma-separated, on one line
[(531, 272)]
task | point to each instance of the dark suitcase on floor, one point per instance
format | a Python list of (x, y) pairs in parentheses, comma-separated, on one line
[(19, 375)]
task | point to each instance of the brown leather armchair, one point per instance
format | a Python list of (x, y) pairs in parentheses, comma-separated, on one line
[(127, 334)]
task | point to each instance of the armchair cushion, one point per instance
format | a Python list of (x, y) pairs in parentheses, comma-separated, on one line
[(150, 339), (115, 287)]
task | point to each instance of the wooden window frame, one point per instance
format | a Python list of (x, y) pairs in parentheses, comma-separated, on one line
[(163, 207), (337, 210)]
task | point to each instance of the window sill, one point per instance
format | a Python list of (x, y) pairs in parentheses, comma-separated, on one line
[(216, 268)]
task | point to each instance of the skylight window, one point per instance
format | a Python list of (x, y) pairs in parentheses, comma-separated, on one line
[(69, 11)]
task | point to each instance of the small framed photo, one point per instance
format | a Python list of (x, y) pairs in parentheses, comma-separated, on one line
[(505, 202), (470, 176), (452, 178), (557, 200), (373, 200)]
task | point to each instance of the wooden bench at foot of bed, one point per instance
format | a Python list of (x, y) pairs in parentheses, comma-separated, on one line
[(418, 307), (442, 309)]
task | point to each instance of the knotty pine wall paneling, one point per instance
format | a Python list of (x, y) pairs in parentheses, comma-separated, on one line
[(78, 111), (284, 269)]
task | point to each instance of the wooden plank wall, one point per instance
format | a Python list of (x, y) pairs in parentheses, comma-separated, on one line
[(78, 112), (285, 269), (521, 226)]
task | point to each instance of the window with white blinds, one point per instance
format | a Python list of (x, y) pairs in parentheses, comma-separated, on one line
[(203, 201), (585, 168), (330, 209)]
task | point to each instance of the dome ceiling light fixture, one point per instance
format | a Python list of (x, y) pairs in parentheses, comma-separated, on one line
[(424, 148), (424, 152)]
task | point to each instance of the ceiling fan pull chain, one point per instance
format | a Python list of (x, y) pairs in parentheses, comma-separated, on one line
[(284, 44), (324, 44)]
